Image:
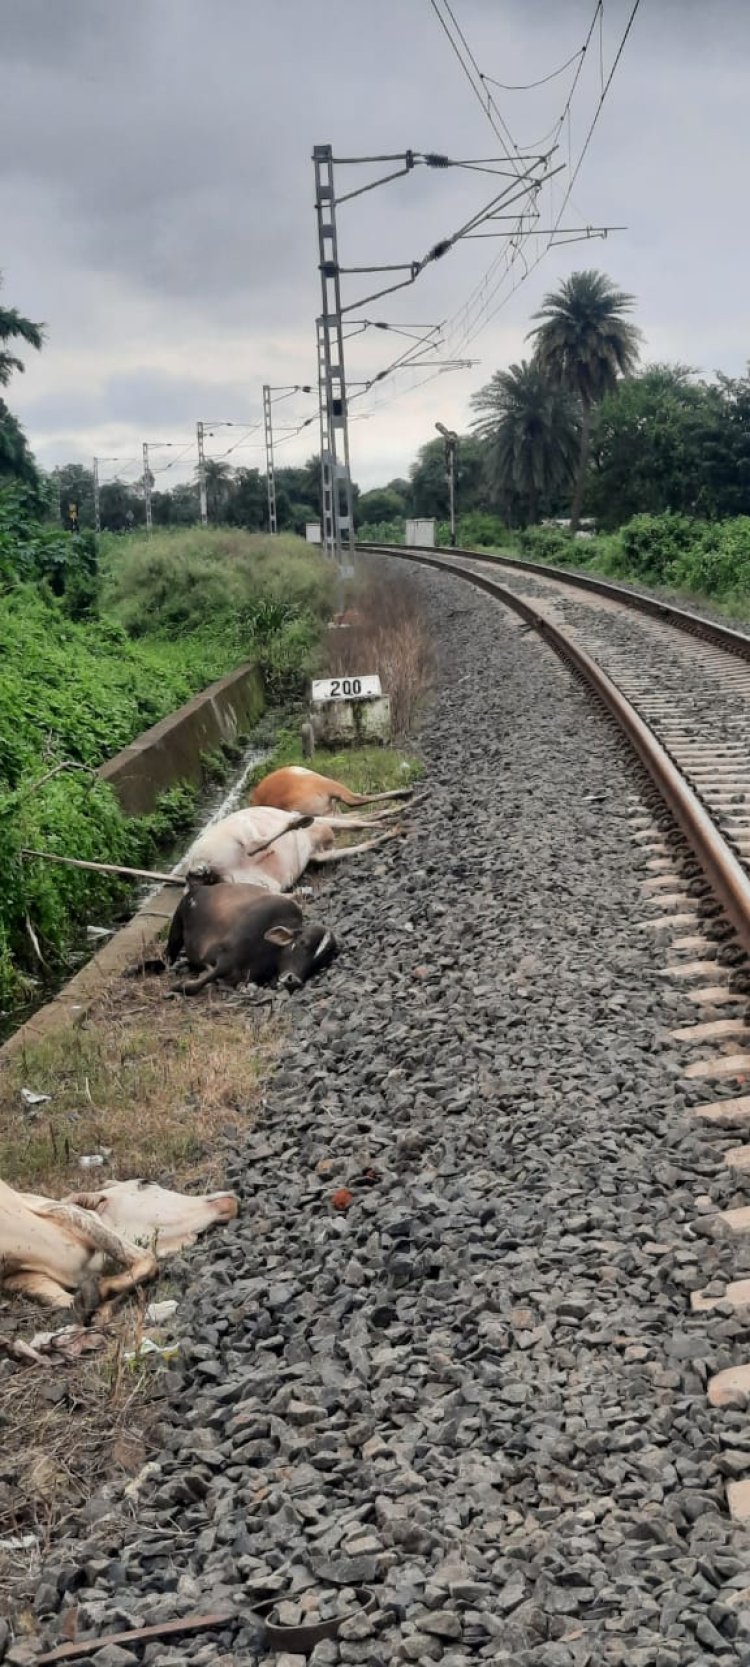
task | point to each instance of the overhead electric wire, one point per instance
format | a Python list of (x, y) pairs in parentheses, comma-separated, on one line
[(598, 110), (507, 259), (505, 136), (528, 86)]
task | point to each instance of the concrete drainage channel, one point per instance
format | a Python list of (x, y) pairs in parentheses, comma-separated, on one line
[(169, 752), (464, 1417)]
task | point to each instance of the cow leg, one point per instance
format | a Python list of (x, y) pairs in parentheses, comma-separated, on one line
[(217, 970), (41, 1286), (143, 1268), (176, 938), (340, 822), (354, 850)]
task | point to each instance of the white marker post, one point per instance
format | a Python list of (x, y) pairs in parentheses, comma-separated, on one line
[(349, 710)]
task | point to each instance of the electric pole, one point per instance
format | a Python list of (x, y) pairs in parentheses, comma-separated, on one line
[(451, 447), (97, 507), (336, 482), (147, 487), (270, 477), (202, 474), (327, 534)]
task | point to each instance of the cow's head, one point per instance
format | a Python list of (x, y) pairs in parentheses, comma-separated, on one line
[(302, 952)]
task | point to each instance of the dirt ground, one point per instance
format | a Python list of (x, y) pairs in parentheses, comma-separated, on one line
[(149, 1080), (155, 1084)]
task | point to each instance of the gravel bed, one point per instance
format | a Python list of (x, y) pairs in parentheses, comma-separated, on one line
[(699, 605), (478, 1390), (663, 663)]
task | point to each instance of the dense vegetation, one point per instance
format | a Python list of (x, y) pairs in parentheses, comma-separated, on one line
[(90, 656), (700, 559)]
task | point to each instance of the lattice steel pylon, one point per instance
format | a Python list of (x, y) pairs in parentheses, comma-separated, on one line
[(326, 461), (336, 481), (270, 476)]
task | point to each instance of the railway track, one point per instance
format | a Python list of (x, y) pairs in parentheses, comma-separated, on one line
[(679, 688), (479, 1390)]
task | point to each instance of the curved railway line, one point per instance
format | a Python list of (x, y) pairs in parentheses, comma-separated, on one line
[(469, 1368), (678, 686), (694, 743)]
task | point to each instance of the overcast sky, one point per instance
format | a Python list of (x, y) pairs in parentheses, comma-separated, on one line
[(157, 205)]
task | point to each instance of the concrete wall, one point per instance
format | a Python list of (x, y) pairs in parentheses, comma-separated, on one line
[(167, 753), (171, 751)]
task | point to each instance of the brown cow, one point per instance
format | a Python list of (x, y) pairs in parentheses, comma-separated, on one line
[(295, 788)]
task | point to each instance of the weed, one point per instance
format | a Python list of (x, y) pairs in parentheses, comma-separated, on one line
[(150, 1078), (388, 635)]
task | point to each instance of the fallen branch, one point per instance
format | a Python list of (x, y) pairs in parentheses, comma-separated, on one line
[(146, 873), (106, 867)]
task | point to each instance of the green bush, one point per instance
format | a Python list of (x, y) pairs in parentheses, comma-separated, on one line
[(706, 558), (553, 544), (31, 549), (81, 691), (179, 579), (650, 545), (381, 532), (71, 814), (177, 612), (479, 528), (717, 564)]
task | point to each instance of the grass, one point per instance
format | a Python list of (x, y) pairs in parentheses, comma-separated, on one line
[(683, 560), (388, 635), (364, 769), (187, 578), (155, 1081), (45, 1473)]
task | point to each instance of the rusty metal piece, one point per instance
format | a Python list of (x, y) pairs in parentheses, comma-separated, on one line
[(139, 1635), (297, 1640), (728, 880)]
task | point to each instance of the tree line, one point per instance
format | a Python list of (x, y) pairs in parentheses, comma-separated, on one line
[(580, 427)]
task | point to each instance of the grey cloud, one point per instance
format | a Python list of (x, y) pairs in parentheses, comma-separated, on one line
[(157, 190), (155, 401)]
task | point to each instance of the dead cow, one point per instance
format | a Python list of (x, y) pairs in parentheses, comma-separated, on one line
[(297, 789), (240, 933), (231, 849), (147, 1214), (59, 1253)]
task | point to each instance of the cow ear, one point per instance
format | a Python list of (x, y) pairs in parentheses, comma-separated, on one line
[(280, 935)]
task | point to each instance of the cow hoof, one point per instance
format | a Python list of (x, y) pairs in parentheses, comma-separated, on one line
[(87, 1301)]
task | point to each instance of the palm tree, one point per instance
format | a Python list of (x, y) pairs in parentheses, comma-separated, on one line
[(532, 428), (12, 324), (583, 344), (218, 482)]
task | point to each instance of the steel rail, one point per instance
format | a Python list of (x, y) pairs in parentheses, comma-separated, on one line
[(726, 876), (709, 630)]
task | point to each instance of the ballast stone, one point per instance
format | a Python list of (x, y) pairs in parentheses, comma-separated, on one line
[(516, 1116)]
